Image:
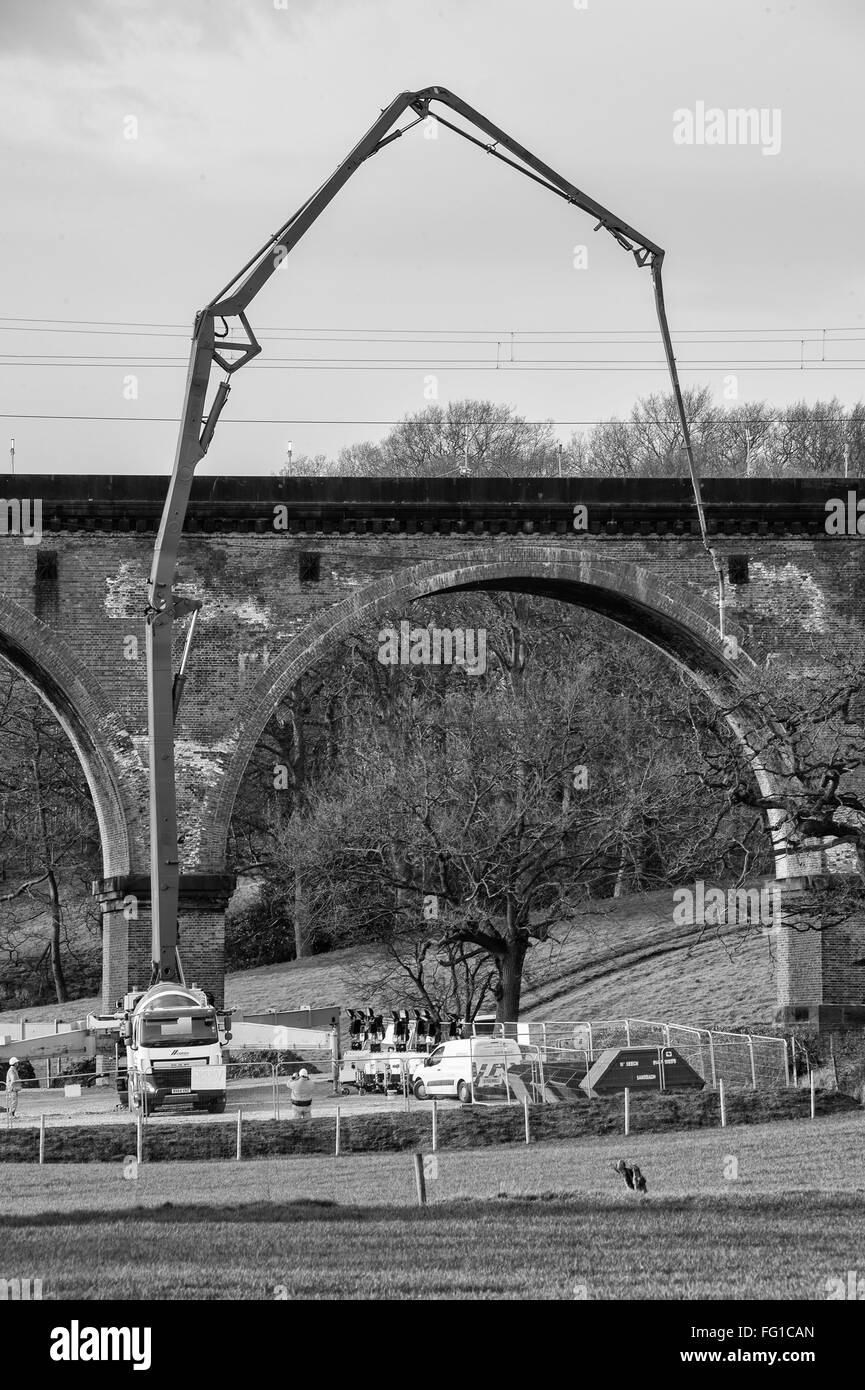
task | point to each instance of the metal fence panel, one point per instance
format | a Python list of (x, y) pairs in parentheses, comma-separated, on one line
[(250, 1087), (739, 1059)]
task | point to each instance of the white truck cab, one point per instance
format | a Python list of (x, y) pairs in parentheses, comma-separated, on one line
[(174, 1049), (448, 1070)]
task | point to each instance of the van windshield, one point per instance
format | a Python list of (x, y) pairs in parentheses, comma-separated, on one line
[(177, 1032), (435, 1057)]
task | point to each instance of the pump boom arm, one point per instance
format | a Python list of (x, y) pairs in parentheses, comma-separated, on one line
[(197, 426)]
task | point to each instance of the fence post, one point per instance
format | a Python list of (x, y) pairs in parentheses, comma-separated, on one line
[(42, 1138), (753, 1068), (723, 1106), (139, 1147), (334, 1051), (712, 1057), (239, 1132), (526, 1112), (336, 1145), (627, 1111), (628, 1032), (786, 1064), (419, 1179), (434, 1125), (813, 1098), (591, 1051)]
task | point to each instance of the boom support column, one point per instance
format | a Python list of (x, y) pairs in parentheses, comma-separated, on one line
[(126, 908)]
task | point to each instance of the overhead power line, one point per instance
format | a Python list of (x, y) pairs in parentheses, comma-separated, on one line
[(296, 420), (565, 338), (500, 332), (503, 368)]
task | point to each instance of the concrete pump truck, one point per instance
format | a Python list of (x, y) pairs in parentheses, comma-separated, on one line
[(173, 1035)]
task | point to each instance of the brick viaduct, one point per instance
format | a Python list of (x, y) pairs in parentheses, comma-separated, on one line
[(285, 568)]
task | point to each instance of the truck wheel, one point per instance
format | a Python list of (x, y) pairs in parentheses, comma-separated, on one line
[(217, 1107), (464, 1092), (419, 1090)]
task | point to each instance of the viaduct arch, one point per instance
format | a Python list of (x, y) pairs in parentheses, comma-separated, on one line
[(682, 625), (276, 596)]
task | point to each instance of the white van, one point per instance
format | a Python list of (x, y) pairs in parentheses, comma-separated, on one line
[(448, 1070)]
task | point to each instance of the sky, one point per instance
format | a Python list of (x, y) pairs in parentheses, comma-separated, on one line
[(149, 147)]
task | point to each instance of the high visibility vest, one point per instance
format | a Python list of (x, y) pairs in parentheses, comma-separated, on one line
[(301, 1089)]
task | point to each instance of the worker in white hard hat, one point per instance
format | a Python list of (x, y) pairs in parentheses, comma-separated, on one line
[(13, 1086), (301, 1091)]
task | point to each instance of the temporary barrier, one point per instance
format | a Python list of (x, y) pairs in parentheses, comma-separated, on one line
[(568, 1048)]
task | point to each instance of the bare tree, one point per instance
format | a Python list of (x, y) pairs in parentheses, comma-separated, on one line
[(49, 844)]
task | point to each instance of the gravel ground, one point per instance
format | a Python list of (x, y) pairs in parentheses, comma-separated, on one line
[(99, 1105)]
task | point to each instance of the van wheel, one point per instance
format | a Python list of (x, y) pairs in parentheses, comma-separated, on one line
[(419, 1090), (464, 1092)]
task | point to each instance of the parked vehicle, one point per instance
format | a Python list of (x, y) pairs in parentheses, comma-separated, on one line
[(450, 1069)]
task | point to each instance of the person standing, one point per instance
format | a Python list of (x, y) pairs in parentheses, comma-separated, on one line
[(300, 1089), (13, 1086)]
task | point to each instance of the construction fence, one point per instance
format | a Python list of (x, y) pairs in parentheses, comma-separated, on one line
[(513, 1064), (739, 1059)]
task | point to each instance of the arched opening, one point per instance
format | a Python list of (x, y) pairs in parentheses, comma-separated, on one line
[(65, 819), (674, 620), (82, 709), (677, 620)]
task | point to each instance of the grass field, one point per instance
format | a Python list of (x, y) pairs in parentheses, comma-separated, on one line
[(459, 1127), (538, 1222)]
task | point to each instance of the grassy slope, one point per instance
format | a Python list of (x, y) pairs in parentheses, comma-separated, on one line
[(542, 1221), (625, 958), (620, 957)]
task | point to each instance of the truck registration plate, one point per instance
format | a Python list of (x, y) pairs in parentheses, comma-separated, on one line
[(181, 1090)]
